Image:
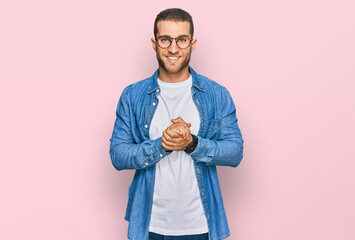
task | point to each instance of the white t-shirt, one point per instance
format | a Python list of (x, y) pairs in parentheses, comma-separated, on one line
[(177, 206)]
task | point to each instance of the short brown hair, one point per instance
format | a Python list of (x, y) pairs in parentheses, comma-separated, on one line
[(175, 14)]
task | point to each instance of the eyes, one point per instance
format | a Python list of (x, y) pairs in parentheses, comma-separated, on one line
[(179, 39)]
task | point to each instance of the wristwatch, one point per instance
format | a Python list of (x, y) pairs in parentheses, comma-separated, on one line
[(191, 147)]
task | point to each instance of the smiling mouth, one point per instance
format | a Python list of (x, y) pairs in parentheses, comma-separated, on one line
[(173, 59)]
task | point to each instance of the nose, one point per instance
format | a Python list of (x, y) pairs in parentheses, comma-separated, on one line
[(173, 48)]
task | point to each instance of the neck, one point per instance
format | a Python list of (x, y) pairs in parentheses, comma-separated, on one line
[(174, 77)]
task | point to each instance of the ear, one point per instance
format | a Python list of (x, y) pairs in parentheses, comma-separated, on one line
[(193, 44), (154, 44)]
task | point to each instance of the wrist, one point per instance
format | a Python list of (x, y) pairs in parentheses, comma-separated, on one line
[(190, 140), (192, 144)]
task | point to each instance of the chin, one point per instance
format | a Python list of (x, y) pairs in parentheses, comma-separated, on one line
[(173, 70)]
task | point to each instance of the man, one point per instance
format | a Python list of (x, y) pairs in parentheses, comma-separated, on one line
[(174, 128)]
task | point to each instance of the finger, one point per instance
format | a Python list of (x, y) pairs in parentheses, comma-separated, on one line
[(171, 133), (167, 143), (172, 145), (187, 135), (181, 128), (174, 133), (177, 130), (178, 120), (182, 131), (178, 124), (186, 132), (170, 139), (166, 147)]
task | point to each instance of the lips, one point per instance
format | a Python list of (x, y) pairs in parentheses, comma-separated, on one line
[(173, 59)]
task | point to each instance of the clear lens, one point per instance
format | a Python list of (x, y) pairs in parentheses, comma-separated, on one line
[(164, 42), (183, 42)]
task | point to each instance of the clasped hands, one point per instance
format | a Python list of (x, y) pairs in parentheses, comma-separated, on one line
[(177, 136)]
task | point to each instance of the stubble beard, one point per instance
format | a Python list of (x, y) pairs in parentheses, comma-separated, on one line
[(182, 66)]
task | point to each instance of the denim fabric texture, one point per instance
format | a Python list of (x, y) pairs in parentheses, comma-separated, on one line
[(219, 143), (155, 236)]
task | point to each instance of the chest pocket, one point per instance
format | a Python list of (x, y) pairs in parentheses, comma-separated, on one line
[(213, 128)]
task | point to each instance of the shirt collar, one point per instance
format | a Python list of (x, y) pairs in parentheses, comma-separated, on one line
[(153, 82)]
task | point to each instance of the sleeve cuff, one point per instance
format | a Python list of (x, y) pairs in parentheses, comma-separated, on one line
[(203, 151), (157, 153)]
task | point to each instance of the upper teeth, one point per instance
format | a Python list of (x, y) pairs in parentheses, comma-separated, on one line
[(172, 57)]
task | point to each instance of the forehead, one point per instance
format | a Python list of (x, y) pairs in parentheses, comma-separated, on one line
[(173, 28)]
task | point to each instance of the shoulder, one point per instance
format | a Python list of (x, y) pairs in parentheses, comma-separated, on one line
[(137, 86), (211, 86), (134, 90)]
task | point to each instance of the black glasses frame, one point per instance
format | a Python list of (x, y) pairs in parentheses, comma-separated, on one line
[(171, 40)]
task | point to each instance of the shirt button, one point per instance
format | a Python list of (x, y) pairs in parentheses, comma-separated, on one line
[(161, 155), (158, 90), (153, 103), (146, 126), (146, 163)]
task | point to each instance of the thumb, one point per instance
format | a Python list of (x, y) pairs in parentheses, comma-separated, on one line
[(177, 120)]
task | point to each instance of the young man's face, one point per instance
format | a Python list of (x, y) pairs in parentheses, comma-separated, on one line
[(173, 59)]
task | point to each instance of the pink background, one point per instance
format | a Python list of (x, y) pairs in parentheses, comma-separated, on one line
[(289, 66)]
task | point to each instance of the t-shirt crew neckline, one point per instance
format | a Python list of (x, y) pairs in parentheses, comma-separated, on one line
[(177, 84)]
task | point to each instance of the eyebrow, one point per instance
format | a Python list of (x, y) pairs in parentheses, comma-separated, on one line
[(177, 36)]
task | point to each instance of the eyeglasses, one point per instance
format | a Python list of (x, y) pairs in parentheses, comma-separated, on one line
[(181, 41)]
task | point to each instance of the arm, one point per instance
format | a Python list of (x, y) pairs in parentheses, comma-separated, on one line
[(228, 150), (125, 153)]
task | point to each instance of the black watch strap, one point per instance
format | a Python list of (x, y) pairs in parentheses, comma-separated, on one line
[(191, 147)]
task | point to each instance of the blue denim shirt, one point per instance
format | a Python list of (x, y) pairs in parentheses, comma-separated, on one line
[(219, 143)]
